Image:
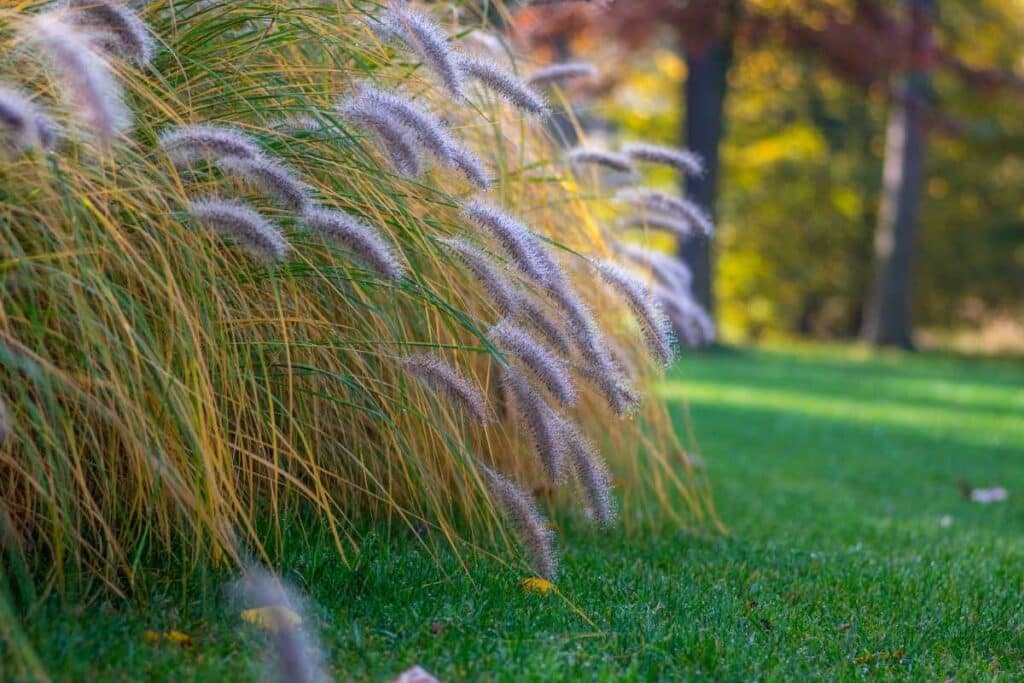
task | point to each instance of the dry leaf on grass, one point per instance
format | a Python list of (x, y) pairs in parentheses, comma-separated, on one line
[(537, 585), (174, 637), (272, 618)]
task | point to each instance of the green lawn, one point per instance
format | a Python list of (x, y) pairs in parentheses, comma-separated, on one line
[(831, 470)]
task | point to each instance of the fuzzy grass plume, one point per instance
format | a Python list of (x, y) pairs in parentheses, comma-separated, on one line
[(540, 421), (361, 239), (649, 316), (271, 178), (437, 375), (186, 144), (23, 123), (499, 288), (431, 133), (583, 156), (241, 224), (119, 29), (399, 143), (90, 87), (590, 472), (675, 207), (682, 160), (429, 41), (684, 229), (522, 513), (545, 366), (518, 241), (504, 83), (560, 72), (671, 273)]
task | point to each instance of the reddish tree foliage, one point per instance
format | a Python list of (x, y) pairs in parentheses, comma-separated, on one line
[(865, 48)]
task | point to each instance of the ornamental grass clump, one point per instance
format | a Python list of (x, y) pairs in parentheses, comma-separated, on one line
[(175, 389)]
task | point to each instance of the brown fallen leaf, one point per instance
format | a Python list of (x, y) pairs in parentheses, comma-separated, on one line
[(842, 628)]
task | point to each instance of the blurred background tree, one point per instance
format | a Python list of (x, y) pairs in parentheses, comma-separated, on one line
[(805, 90)]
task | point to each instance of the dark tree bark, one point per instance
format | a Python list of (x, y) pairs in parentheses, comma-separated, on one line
[(887, 317), (705, 104)]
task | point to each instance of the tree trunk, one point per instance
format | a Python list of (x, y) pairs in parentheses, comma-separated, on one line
[(887, 319), (705, 102)]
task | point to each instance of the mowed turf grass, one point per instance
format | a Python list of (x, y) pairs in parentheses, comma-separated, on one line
[(833, 470)]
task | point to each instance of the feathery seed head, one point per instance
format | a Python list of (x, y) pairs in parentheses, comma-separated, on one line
[(23, 122), (582, 326), (428, 130), (271, 178), (429, 41), (361, 239), (242, 224), (470, 165), (521, 512), (383, 28), (590, 471), (672, 273), (688, 317), (539, 420), (645, 309), (581, 156), (497, 286), (435, 374), (682, 228), (562, 71), (609, 379), (185, 144), (659, 202), (683, 160), (5, 422), (530, 311), (516, 239), (121, 30), (400, 145), (94, 94), (544, 365), (505, 84)]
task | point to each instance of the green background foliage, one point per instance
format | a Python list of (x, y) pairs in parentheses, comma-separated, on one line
[(801, 179)]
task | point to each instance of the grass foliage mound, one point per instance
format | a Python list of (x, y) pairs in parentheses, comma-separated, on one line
[(264, 259)]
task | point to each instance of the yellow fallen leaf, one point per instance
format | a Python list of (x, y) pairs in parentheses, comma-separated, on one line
[(272, 618), (176, 637), (537, 585)]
